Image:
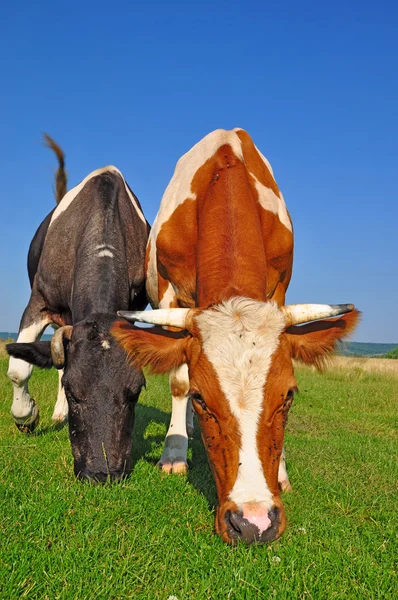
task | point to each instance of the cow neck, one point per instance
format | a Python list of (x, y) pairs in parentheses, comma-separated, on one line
[(100, 271)]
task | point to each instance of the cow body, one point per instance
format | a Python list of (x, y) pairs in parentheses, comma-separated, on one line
[(222, 230), (219, 261), (85, 261)]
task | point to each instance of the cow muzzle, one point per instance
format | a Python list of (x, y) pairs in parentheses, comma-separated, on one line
[(101, 476), (252, 523)]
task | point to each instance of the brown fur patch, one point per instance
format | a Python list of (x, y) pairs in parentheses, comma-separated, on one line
[(314, 342), (219, 428), (162, 351), (255, 163), (280, 380), (176, 253), (178, 388), (230, 252), (61, 180)]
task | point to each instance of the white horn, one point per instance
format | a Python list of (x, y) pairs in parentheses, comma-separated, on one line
[(173, 317), (303, 313)]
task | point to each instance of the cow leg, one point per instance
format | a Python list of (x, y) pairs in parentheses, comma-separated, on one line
[(174, 457), (60, 414), (24, 409), (189, 419), (283, 477)]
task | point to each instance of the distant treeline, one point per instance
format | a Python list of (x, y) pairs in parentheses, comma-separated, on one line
[(369, 349)]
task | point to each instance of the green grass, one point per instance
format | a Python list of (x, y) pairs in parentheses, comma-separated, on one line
[(152, 536)]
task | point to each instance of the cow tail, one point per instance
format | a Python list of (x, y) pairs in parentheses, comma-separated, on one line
[(61, 179)]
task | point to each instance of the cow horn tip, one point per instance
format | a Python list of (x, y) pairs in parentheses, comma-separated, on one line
[(125, 314)]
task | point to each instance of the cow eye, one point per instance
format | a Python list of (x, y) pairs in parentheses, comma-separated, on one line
[(289, 397), (131, 397), (71, 397), (197, 399)]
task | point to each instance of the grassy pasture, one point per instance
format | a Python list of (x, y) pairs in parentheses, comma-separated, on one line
[(152, 536)]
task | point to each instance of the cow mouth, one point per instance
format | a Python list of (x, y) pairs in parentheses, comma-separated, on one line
[(239, 528), (251, 523), (102, 477)]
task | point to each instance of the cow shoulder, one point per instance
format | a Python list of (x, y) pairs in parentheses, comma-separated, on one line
[(276, 225)]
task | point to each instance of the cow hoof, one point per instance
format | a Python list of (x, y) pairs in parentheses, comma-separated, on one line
[(60, 423), (177, 467), (190, 431), (285, 486), (59, 420), (30, 424)]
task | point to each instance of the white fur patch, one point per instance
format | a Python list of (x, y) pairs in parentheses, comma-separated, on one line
[(61, 407), (132, 197), (19, 372), (105, 250), (240, 337), (169, 297), (270, 201), (72, 194)]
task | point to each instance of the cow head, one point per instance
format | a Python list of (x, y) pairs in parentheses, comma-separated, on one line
[(102, 390), (239, 355)]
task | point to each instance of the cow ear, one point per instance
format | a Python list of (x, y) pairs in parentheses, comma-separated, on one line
[(37, 353), (161, 350), (314, 342)]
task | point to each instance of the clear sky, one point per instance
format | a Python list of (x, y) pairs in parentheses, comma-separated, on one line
[(136, 84)]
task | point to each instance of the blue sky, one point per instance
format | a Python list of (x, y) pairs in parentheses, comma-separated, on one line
[(137, 84)]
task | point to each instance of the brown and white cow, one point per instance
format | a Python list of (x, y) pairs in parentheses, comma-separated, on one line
[(219, 260)]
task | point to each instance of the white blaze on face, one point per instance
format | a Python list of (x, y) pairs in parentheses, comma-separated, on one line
[(239, 338)]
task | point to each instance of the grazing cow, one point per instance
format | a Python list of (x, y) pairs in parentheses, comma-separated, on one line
[(219, 260), (85, 261)]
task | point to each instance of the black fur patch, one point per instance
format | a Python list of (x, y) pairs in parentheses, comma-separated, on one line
[(37, 353)]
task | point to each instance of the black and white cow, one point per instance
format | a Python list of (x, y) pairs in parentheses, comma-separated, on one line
[(86, 261)]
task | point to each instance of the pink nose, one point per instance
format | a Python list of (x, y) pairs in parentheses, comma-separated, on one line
[(257, 514)]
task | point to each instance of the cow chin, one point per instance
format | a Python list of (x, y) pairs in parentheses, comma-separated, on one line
[(95, 476), (250, 523), (103, 455), (97, 471)]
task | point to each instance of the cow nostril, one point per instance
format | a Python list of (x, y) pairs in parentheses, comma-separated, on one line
[(274, 514), (232, 521)]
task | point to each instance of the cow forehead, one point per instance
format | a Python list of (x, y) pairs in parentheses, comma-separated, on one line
[(239, 338)]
